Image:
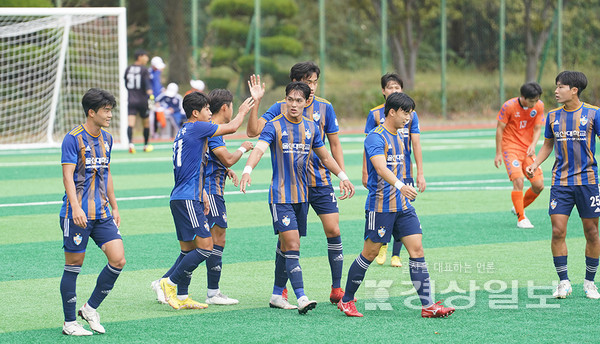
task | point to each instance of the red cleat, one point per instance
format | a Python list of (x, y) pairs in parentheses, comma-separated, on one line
[(349, 308), (336, 295), (437, 310), (284, 294)]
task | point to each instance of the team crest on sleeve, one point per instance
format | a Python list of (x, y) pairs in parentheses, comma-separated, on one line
[(553, 203), (308, 134), (77, 238), (533, 113), (516, 163), (316, 116), (286, 220), (381, 231)]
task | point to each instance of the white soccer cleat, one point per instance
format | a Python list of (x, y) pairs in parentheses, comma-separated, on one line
[(525, 223), (73, 328), (277, 301), (591, 291), (563, 289), (160, 295), (305, 305), (221, 299), (92, 317)]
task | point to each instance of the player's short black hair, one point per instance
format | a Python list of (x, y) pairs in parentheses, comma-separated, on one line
[(218, 97), (391, 77), (96, 98), (194, 101), (572, 79), (397, 101), (531, 90), (303, 70), (139, 52), (298, 86)]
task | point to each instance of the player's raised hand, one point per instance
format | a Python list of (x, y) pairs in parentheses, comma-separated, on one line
[(257, 91), (245, 106), (346, 189), (246, 180), (248, 145), (233, 177), (409, 192)]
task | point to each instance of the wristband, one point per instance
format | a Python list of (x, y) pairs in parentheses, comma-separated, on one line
[(399, 184), (247, 169), (342, 175), (242, 149)]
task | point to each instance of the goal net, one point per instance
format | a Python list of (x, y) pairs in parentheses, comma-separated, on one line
[(49, 57)]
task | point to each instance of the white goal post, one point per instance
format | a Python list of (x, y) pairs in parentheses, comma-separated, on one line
[(49, 57)]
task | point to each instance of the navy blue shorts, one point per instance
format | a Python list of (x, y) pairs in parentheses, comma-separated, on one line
[(289, 216), (189, 219), (217, 215), (379, 227), (585, 197), (322, 199), (75, 238), (409, 182)]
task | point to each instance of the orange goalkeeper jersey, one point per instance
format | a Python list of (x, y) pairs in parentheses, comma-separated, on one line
[(520, 122)]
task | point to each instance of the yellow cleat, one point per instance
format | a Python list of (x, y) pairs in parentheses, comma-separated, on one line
[(191, 304), (396, 262), (170, 293), (148, 148), (382, 256)]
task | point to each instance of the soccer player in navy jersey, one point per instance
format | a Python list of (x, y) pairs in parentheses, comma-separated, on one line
[(570, 131), (388, 210), (292, 139), (217, 170), (188, 198), (85, 211), (390, 83), (321, 195), (140, 94)]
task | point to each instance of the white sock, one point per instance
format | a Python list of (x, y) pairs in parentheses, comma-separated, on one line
[(182, 297), (212, 292), (170, 282), (88, 307)]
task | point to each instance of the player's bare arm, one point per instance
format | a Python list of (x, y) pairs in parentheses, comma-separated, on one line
[(346, 187), (365, 174), (235, 123), (257, 91), (336, 149), (110, 192), (499, 131), (229, 159), (537, 132), (79, 216), (418, 154), (380, 166), (543, 154), (253, 160)]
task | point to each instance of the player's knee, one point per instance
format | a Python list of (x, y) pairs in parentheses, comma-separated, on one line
[(558, 233), (537, 187), (119, 263)]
